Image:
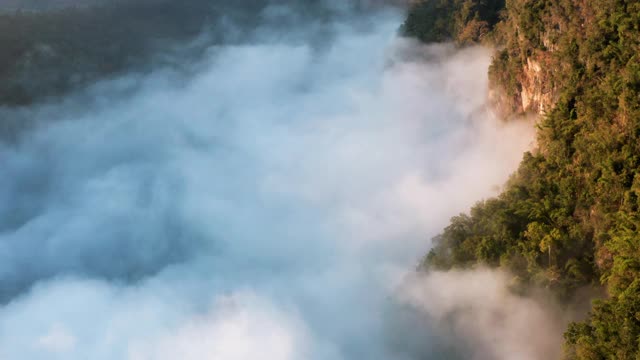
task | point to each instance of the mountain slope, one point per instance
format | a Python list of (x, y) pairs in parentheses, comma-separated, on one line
[(569, 216)]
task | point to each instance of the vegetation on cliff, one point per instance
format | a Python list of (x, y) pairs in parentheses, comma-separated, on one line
[(465, 21), (569, 217)]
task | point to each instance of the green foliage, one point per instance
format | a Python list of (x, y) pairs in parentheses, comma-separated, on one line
[(465, 21), (569, 217), (612, 330), (529, 229)]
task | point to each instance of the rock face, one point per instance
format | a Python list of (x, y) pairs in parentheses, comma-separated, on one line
[(536, 95), (530, 89)]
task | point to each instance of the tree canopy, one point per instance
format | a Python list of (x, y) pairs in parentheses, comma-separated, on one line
[(568, 217)]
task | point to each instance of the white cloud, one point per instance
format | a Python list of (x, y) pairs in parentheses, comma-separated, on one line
[(479, 311), (240, 329), (57, 340), (310, 177)]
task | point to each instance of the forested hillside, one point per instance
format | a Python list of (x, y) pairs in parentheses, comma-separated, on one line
[(569, 217), (465, 21), (47, 53), (48, 50)]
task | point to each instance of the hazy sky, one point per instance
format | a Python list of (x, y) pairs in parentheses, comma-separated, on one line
[(271, 205)]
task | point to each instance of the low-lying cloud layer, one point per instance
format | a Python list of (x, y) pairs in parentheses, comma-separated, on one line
[(268, 206), (481, 317)]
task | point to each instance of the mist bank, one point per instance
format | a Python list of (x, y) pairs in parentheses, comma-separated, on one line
[(269, 197)]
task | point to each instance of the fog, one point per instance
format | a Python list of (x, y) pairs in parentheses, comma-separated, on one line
[(269, 204), (479, 307)]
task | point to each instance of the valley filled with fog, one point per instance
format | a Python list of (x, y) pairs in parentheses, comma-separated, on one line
[(269, 198)]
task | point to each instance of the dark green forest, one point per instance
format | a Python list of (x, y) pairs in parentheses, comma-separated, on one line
[(464, 21), (48, 53), (569, 217)]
